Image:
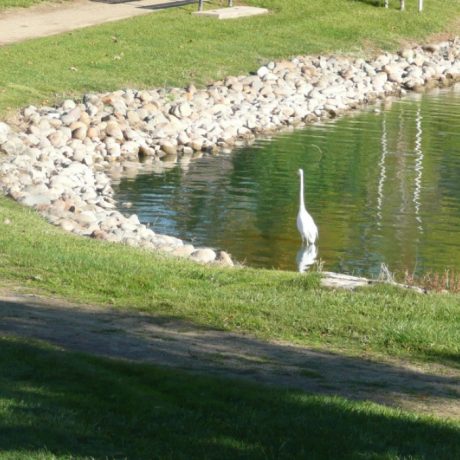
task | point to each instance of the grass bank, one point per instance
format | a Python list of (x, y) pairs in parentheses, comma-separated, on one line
[(269, 304), (148, 51), (78, 407)]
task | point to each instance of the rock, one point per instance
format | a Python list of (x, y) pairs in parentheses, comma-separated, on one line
[(133, 118), (71, 117), (13, 146), (114, 151), (224, 259), (98, 234), (86, 218), (182, 110), (134, 219), (4, 131), (36, 199), (169, 148), (130, 149), (93, 132), (203, 255), (68, 225), (183, 251), (339, 281), (80, 132), (85, 118), (183, 138), (113, 130), (58, 139), (407, 54), (145, 96), (68, 105), (263, 72), (197, 144), (394, 72), (379, 80), (145, 151)]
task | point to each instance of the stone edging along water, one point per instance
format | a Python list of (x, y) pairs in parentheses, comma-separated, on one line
[(58, 159)]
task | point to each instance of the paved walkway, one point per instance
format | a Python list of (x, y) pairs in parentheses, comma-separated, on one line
[(53, 18)]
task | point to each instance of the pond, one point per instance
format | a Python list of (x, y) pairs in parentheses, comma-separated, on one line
[(383, 186)]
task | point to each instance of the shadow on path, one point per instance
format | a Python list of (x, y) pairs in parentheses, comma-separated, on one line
[(166, 341)]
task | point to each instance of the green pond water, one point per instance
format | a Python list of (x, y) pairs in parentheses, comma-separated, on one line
[(382, 187)]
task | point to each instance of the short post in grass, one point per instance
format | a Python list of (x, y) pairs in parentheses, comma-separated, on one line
[(230, 3), (200, 5), (420, 6)]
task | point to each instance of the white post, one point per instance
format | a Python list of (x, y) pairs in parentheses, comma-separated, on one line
[(403, 5), (200, 5), (230, 3), (420, 6)]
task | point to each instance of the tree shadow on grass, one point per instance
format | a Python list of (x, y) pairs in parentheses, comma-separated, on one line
[(68, 405), (452, 359), (168, 341)]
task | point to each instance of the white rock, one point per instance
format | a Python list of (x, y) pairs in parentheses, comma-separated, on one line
[(262, 72), (4, 131), (113, 130), (203, 255)]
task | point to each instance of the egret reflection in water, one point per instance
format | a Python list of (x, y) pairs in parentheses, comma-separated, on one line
[(306, 257)]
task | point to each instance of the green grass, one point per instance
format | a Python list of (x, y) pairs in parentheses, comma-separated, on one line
[(269, 304), (5, 4), (149, 51), (60, 405)]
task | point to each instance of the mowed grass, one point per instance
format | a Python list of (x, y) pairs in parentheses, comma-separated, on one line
[(7, 4), (173, 48), (60, 405), (269, 304)]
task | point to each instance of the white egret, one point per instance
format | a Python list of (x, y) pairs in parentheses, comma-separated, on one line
[(305, 223)]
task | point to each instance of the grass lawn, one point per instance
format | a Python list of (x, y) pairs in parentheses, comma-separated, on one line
[(148, 51), (5, 4), (60, 405)]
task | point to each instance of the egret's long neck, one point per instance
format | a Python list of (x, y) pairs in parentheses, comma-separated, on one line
[(302, 203)]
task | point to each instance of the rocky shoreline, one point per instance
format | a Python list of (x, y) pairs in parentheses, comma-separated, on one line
[(60, 160)]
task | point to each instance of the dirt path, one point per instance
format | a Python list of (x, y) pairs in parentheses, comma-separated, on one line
[(53, 18), (168, 342)]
